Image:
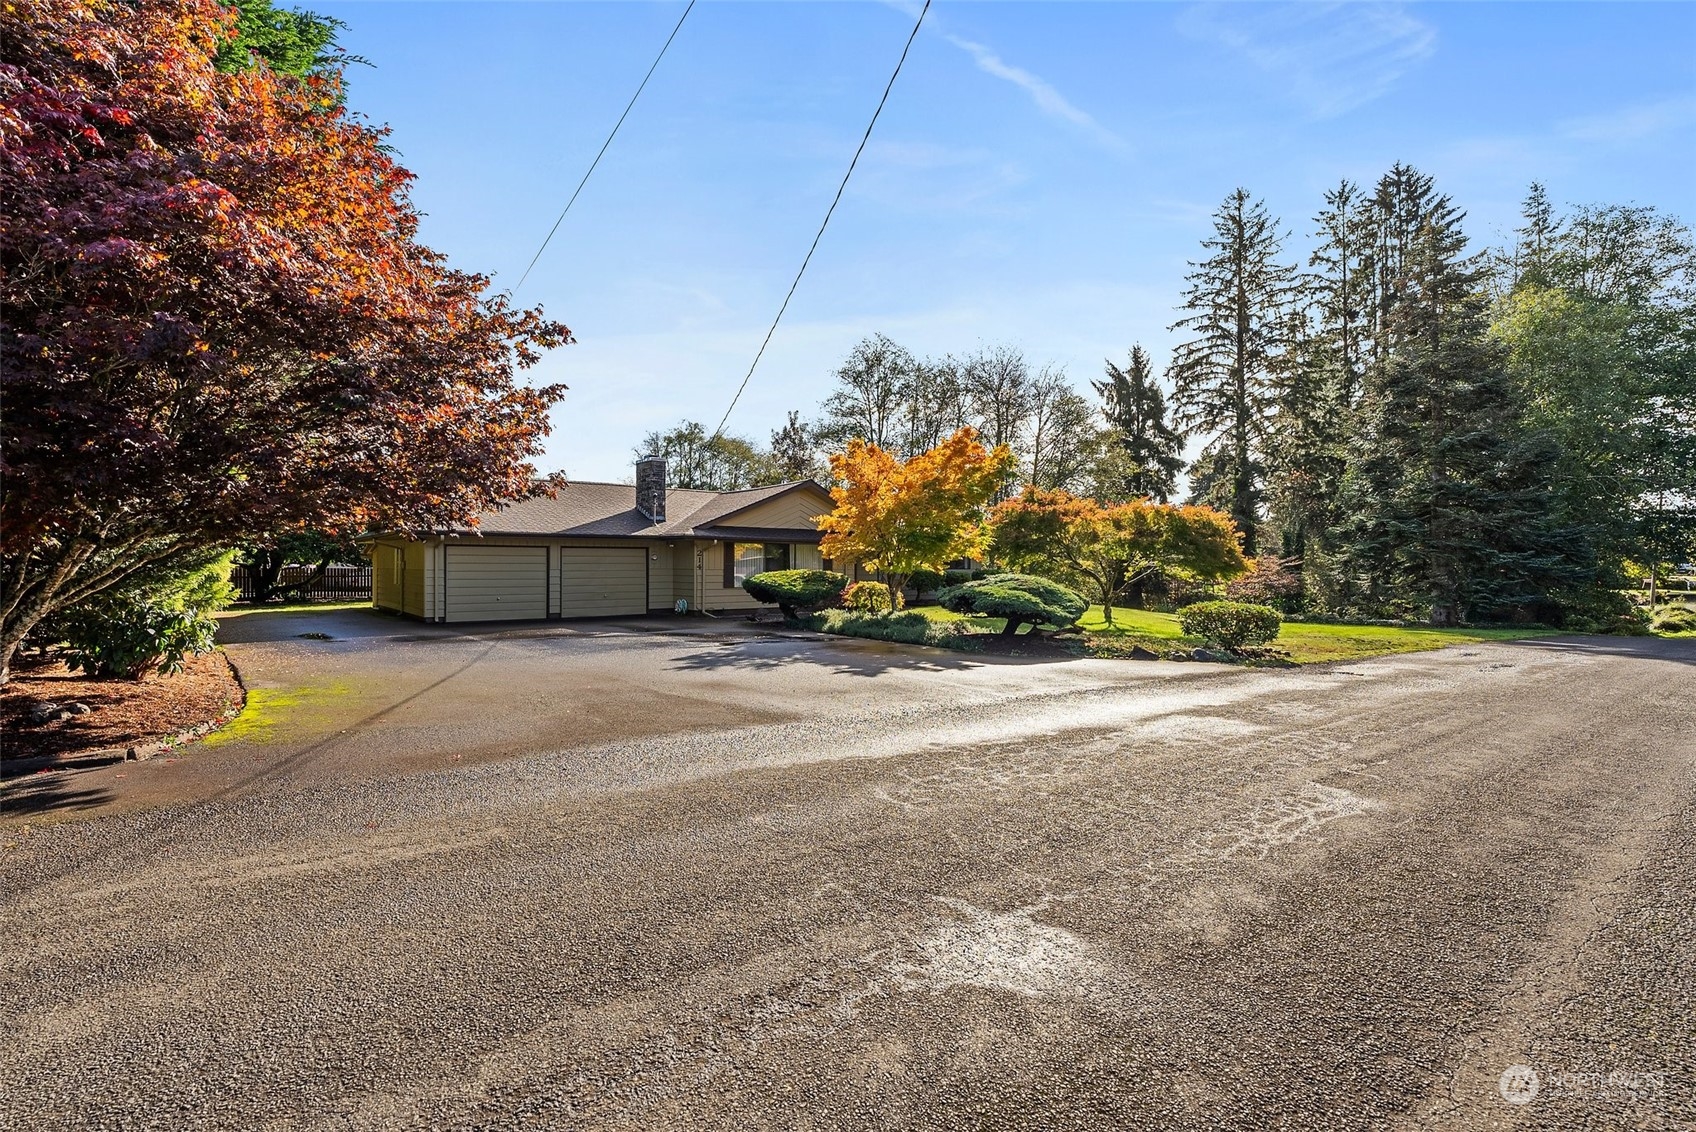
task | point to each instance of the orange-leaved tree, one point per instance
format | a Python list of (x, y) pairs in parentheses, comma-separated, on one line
[(1114, 547), (895, 516), (215, 319)]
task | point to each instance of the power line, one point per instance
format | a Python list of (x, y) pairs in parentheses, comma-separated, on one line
[(604, 145), (828, 213)]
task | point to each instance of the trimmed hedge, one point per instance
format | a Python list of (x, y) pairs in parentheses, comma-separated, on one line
[(1022, 599), (870, 597), (902, 628), (796, 591), (1231, 624), (925, 581)]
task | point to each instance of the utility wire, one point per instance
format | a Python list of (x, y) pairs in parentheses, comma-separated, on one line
[(605, 144), (828, 213)]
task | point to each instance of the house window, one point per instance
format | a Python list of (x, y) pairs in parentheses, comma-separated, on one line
[(756, 558)]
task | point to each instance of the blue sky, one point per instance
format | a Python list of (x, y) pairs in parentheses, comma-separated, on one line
[(1040, 176)]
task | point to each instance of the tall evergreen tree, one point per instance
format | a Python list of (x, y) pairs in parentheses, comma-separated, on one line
[(1446, 502), (1236, 299), (1135, 407), (1317, 382)]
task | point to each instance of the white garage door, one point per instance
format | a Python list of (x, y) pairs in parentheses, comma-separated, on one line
[(497, 583), (603, 582)]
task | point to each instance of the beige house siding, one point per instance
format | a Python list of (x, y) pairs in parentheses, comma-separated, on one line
[(796, 509), (385, 576), (542, 577), (660, 582), (683, 573)]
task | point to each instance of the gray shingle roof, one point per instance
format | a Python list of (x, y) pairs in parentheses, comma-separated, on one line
[(608, 510)]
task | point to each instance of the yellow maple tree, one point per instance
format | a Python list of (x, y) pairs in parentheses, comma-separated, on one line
[(896, 516)]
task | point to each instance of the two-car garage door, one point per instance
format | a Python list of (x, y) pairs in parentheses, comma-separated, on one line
[(510, 583)]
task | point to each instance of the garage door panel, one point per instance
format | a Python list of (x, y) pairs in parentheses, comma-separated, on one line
[(497, 583), (603, 582)]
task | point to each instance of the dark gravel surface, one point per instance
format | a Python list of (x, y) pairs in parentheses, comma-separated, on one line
[(875, 888)]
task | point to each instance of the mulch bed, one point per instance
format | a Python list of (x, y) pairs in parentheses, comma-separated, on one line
[(126, 712)]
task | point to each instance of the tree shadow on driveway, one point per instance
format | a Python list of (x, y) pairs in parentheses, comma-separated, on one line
[(1638, 648), (45, 793)]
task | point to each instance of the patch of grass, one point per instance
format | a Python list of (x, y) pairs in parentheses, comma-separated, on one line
[(265, 707), (295, 607)]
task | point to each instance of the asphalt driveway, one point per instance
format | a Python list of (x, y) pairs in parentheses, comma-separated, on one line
[(636, 877)]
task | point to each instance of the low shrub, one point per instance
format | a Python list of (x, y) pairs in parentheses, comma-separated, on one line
[(870, 597), (956, 577), (1230, 624), (154, 621), (1674, 619), (796, 591), (128, 637), (902, 628), (1023, 599)]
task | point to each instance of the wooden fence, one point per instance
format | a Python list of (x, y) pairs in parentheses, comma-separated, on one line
[(340, 581)]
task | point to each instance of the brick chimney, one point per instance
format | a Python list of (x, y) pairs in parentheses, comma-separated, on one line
[(650, 487)]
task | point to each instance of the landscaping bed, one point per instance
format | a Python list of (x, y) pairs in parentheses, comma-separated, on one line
[(123, 713), (1146, 634)]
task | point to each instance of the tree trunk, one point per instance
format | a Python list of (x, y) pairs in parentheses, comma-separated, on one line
[(1011, 628)]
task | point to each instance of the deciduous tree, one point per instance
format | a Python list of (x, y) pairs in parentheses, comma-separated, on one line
[(217, 319), (896, 516), (1114, 547)]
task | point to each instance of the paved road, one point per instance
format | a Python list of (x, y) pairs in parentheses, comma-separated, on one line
[(821, 886)]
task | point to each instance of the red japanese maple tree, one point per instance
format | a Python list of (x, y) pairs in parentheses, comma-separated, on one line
[(217, 320)]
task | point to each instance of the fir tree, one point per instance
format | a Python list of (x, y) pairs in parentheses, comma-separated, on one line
[(1135, 407), (1236, 299), (1447, 506)]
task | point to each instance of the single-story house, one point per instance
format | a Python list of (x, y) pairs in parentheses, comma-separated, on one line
[(603, 550)]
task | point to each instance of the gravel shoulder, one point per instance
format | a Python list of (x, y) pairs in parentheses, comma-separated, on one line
[(917, 892)]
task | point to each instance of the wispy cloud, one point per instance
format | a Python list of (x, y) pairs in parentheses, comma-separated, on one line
[(1632, 123), (1333, 57), (1042, 92)]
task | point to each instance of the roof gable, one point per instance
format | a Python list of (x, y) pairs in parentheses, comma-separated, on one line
[(586, 509)]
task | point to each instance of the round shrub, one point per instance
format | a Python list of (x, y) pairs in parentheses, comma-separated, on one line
[(1023, 599), (796, 591), (870, 597), (1230, 624)]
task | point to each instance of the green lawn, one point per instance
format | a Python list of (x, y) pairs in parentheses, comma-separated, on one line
[(296, 607), (1305, 642)]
